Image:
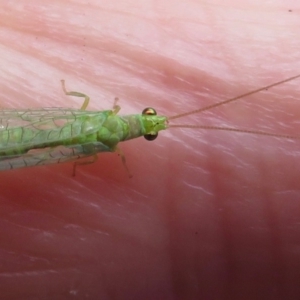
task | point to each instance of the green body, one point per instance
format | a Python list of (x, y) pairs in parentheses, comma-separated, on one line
[(81, 133), (55, 135)]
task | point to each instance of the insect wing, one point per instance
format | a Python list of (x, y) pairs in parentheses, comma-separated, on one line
[(30, 128), (16, 117), (55, 155)]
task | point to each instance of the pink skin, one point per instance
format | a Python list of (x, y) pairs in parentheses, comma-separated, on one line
[(208, 214)]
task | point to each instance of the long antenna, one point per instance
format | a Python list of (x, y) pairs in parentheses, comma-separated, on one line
[(256, 132), (232, 99)]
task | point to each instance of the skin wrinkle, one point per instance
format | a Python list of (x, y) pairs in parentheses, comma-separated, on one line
[(234, 237)]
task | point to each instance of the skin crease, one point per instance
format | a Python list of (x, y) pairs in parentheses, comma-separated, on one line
[(207, 214)]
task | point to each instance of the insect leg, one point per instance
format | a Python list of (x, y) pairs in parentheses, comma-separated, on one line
[(76, 94), (88, 150), (120, 153), (116, 108), (87, 162)]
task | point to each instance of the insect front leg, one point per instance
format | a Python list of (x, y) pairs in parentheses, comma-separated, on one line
[(76, 94), (120, 153), (116, 108)]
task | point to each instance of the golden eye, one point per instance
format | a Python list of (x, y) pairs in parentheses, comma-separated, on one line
[(149, 111), (150, 137)]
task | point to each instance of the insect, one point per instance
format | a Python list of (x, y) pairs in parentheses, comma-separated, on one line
[(43, 136)]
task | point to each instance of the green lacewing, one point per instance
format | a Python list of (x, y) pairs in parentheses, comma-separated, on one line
[(33, 137)]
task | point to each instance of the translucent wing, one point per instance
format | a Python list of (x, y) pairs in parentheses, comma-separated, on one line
[(16, 117), (30, 128), (54, 155)]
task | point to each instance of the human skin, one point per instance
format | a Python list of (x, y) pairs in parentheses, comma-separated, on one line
[(207, 214)]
